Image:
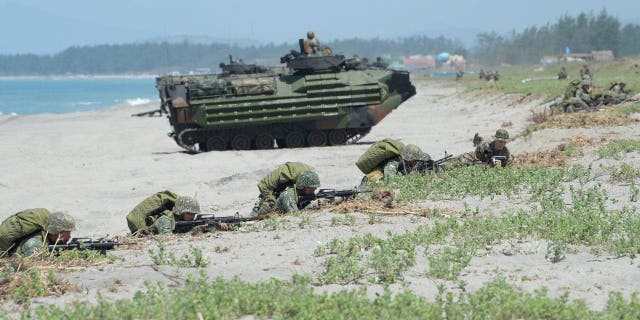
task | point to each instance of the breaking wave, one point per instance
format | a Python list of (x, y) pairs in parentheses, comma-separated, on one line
[(137, 101)]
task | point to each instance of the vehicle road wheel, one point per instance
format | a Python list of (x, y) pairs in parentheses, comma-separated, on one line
[(216, 143), (317, 138), (294, 139), (264, 141), (241, 142), (337, 137)]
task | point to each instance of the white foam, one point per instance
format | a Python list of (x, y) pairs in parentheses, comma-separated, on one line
[(137, 101), (85, 103)]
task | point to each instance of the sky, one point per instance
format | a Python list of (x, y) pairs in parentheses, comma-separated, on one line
[(48, 27)]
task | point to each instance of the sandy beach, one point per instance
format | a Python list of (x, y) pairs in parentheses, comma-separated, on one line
[(98, 165)]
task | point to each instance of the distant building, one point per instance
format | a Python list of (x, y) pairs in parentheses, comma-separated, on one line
[(603, 55), (548, 60)]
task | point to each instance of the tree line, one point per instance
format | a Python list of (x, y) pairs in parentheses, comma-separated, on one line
[(583, 33), (163, 57)]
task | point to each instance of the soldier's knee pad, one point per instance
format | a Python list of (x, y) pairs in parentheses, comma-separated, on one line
[(163, 225), (285, 203), (30, 245)]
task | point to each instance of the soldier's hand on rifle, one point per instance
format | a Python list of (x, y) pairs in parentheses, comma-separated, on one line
[(317, 203), (337, 200), (224, 227)]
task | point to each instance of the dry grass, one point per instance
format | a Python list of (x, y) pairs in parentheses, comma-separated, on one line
[(366, 206), (555, 158), (611, 116), (22, 278), (580, 140), (539, 116)]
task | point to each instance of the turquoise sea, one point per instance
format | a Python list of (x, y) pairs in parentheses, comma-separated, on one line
[(63, 94)]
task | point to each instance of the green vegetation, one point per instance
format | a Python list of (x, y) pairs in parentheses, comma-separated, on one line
[(448, 265), (583, 33), (296, 299), (629, 109), (563, 215), (24, 278), (458, 182), (193, 259), (614, 149), (346, 220), (166, 57), (625, 173)]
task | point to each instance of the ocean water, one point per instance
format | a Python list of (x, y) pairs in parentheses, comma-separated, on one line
[(61, 95)]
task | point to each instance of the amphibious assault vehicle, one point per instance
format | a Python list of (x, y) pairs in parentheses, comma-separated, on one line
[(314, 101)]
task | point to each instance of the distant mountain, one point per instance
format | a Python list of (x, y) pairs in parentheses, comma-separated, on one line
[(18, 34)]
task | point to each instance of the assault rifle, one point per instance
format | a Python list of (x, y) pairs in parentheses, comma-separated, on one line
[(330, 195), (209, 222), (438, 164), (151, 113), (498, 159), (85, 244)]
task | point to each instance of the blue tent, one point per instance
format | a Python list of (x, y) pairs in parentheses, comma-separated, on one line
[(442, 57)]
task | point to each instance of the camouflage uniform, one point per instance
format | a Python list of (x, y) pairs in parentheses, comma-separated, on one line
[(617, 93), (312, 44), (562, 74), (386, 158), (158, 213), (485, 151), (585, 72), (289, 200), (575, 96), (25, 232), (274, 184)]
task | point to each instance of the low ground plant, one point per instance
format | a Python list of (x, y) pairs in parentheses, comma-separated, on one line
[(616, 148), (625, 173), (577, 216), (193, 259), (296, 299), (458, 182), (24, 278)]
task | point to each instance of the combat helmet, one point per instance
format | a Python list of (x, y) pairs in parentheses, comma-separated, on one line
[(586, 81), (307, 179), (411, 152), (502, 134), (59, 222), (186, 204), (310, 35)]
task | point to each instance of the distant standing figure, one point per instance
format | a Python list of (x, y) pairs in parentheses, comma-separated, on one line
[(585, 72), (459, 74), (312, 44), (380, 63), (481, 74), (562, 74)]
